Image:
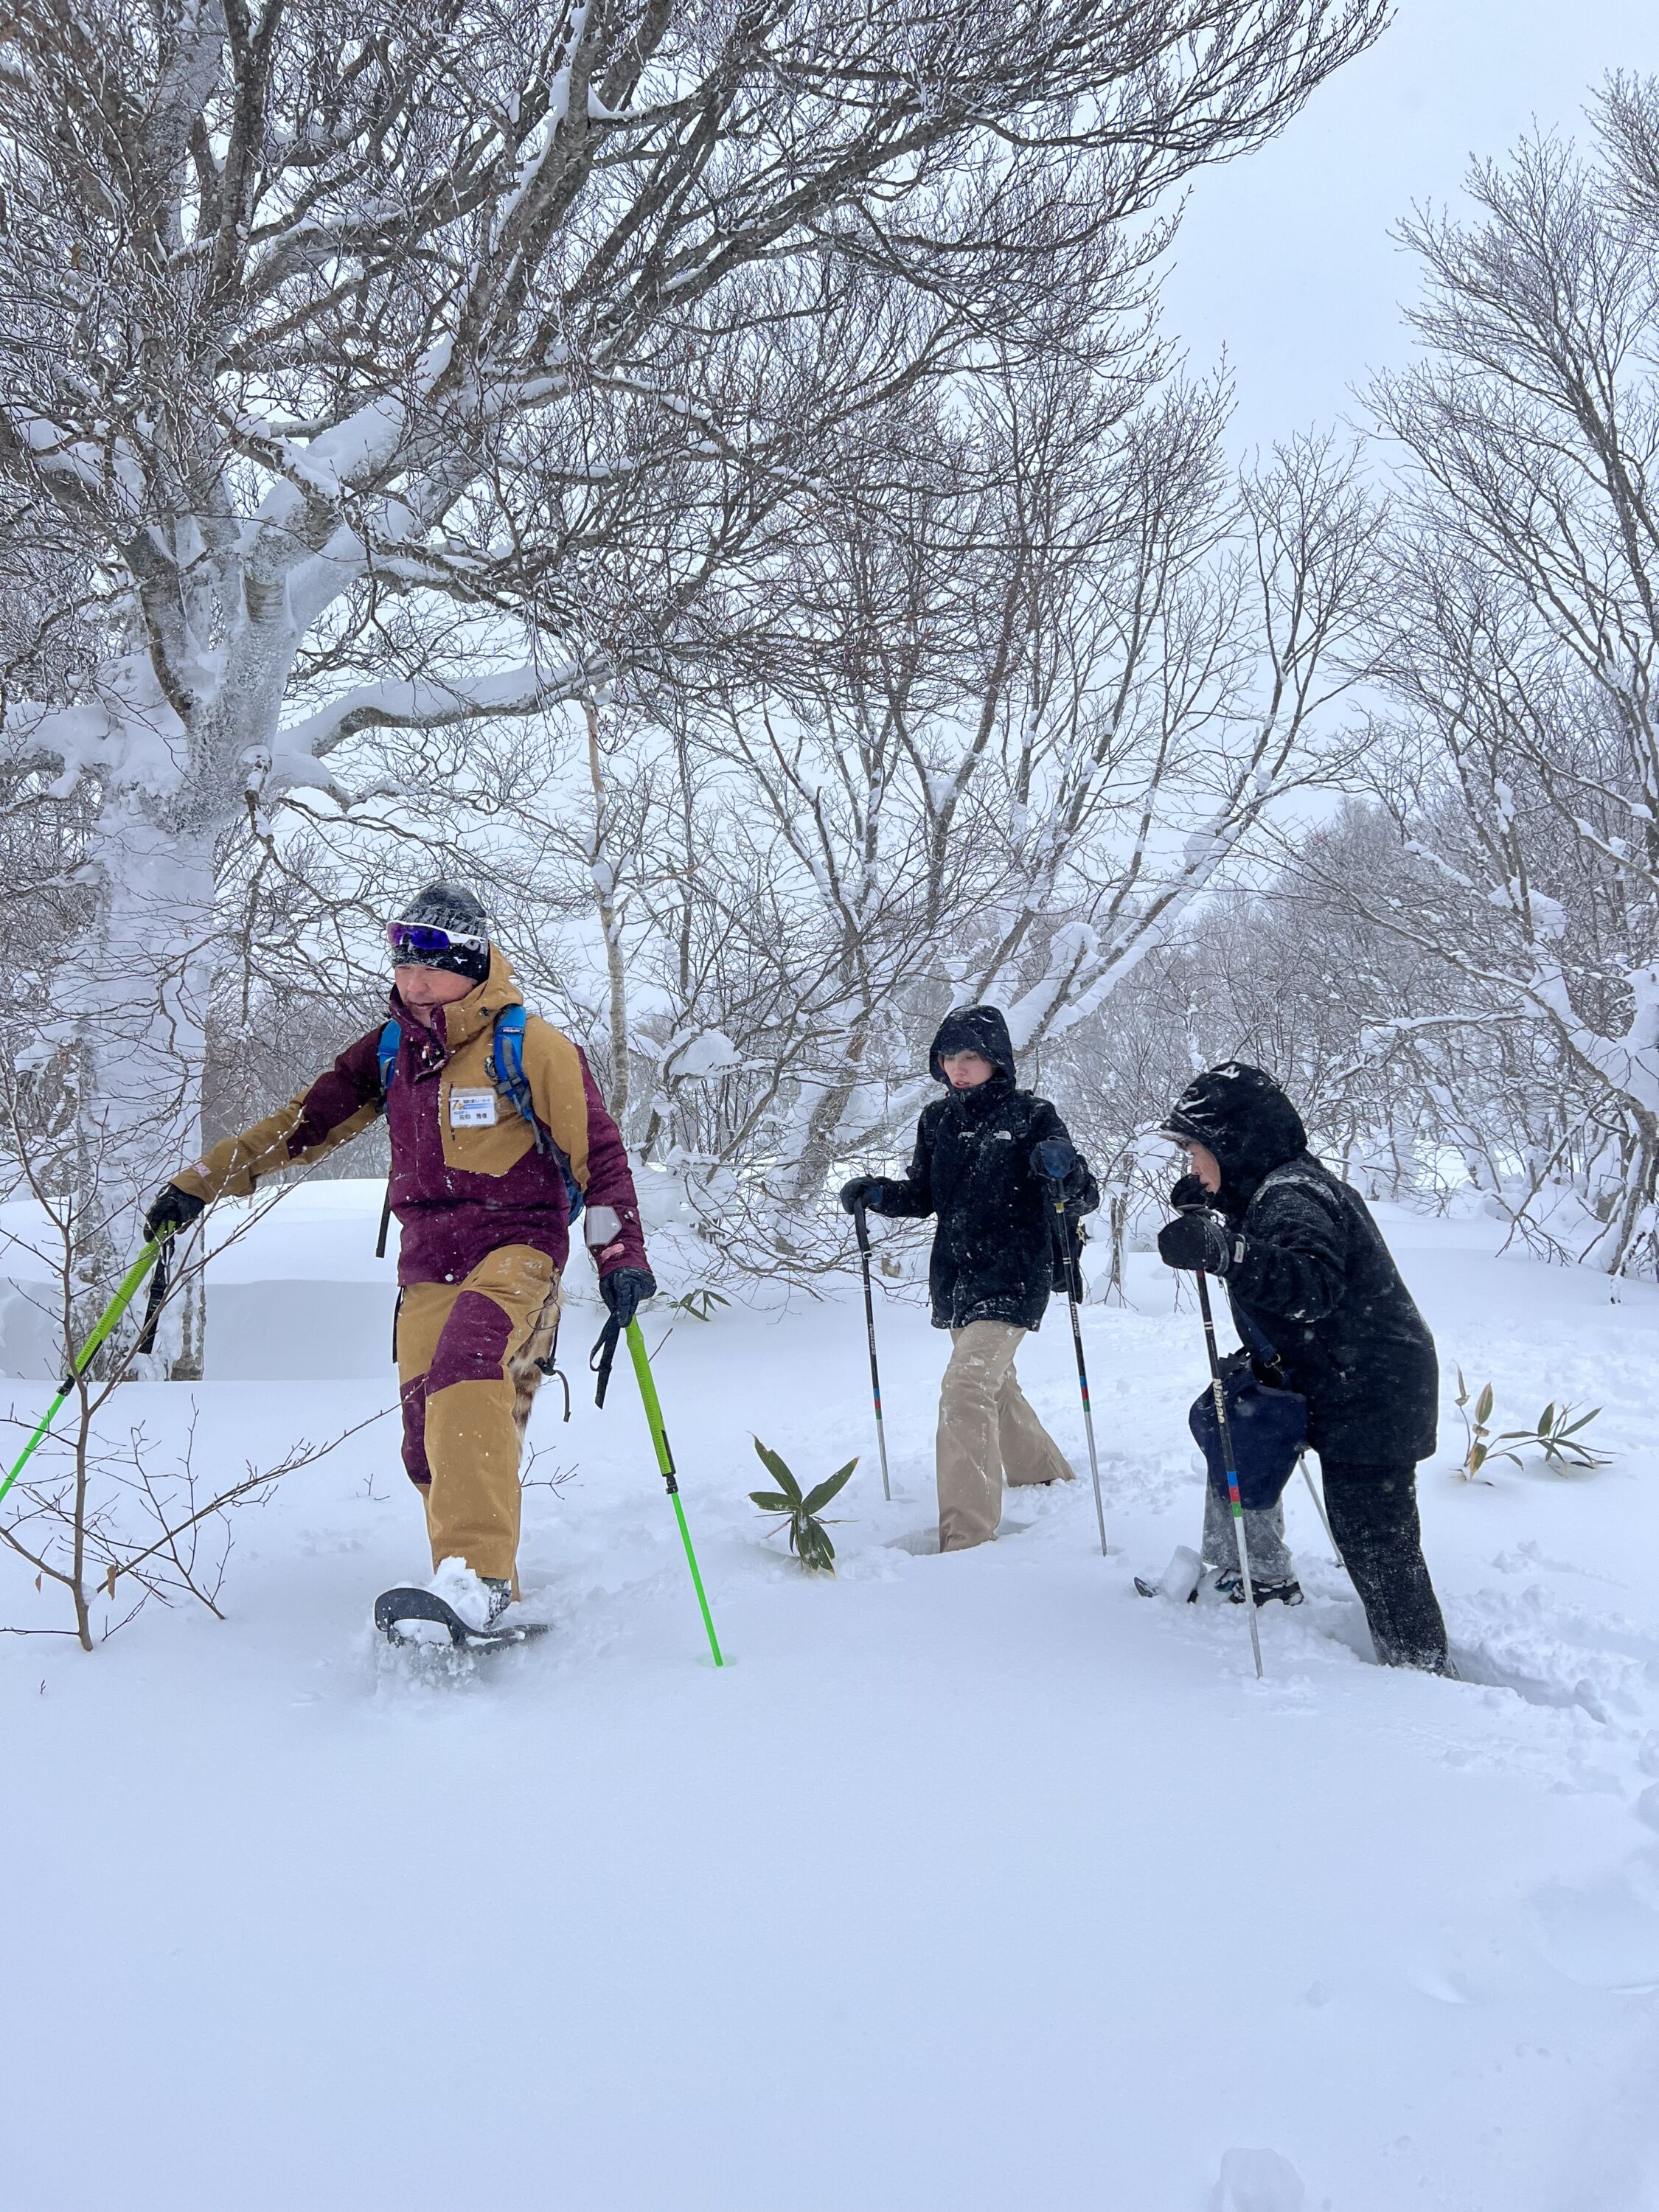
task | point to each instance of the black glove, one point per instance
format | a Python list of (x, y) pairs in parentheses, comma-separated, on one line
[(171, 1210), (1055, 1160), (625, 1289), (866, 1191), (1190, 1195), (1197, 1240)]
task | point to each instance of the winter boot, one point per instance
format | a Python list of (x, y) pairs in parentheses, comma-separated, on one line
[(478, 1600)]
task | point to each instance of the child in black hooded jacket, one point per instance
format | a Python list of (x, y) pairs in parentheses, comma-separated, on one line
[(975, 1166), (1306, 1268)]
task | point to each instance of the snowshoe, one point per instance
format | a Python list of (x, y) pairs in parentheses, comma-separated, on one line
[(422, 1617), (1229, 1584)]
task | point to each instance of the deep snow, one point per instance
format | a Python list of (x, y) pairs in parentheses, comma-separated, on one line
[(973, 1882)]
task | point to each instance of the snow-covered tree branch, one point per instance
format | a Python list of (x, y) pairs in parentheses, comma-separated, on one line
[(404, 351)]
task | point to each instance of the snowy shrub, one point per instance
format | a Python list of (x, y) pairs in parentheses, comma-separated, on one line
[(104, 1512), (114, 1518), (809, 1540)]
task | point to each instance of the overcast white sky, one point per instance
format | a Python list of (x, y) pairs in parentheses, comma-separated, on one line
[(1285, 258)]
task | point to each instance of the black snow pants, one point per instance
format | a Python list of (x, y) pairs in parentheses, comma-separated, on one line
[(1373, 1512)]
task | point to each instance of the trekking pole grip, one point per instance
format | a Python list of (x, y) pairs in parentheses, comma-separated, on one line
[(159, 1286)]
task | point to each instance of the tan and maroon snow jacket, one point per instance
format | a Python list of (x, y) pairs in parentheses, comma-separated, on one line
[(466, 1177)]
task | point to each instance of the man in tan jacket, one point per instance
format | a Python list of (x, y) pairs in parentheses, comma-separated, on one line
[(499, 1140)]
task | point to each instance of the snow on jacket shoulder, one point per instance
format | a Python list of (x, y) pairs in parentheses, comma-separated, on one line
[(466, 1177)]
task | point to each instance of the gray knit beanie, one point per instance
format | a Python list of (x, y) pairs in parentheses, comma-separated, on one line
[(453, 911)]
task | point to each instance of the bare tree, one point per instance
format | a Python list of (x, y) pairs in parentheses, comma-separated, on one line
[(340, 347), (1522, 623), (1018, 694)]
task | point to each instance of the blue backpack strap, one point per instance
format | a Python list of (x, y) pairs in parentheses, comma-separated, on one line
[(392, 1037), (507, 1066), (508, 1069), (385, 1052)]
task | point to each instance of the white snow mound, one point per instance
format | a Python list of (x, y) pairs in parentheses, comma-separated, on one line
[(1258, 2181)]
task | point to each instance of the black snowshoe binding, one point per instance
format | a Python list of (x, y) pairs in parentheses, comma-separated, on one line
[(1185, 1577), (1229, 1584), (398, 1612)]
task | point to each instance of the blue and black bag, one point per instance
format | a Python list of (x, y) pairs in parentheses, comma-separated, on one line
[(1269, 1424)]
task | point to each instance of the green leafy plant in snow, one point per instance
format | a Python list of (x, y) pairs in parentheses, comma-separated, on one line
[(1557, 1436), (1478, 1431), (809, 1539)]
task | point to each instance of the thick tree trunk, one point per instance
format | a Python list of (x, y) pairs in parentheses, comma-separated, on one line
[(133, 993)]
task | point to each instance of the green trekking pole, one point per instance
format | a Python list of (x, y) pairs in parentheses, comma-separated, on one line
[(111, 1314), (636, 1351)]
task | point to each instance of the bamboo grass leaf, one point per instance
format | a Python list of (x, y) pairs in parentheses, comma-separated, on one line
[(779, 1471), (816, 1500), (808, 1538)]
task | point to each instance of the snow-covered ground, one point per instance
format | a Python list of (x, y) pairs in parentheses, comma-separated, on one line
[(975, 1882)]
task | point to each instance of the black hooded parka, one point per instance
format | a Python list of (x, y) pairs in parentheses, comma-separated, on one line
[(994, 1250), (1315, 1277)]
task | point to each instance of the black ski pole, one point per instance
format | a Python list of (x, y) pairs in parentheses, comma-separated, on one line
[(1233, 1497), (1082, 1370), (1062, 1232), (863, 1229)]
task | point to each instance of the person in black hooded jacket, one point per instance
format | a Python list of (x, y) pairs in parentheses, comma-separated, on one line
[(976, 1165), (1312, 1281)]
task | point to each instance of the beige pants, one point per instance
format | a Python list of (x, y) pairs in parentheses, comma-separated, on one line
[(466, 1359), (987, 1431)]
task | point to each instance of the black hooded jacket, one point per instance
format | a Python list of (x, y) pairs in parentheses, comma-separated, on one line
[(994, 1250), (1315, 1278)]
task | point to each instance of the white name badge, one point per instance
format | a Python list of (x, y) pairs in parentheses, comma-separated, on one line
[(472, 1109)]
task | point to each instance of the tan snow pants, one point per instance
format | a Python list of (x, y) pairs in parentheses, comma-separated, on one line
[(987, 1431), (466, 1367)]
